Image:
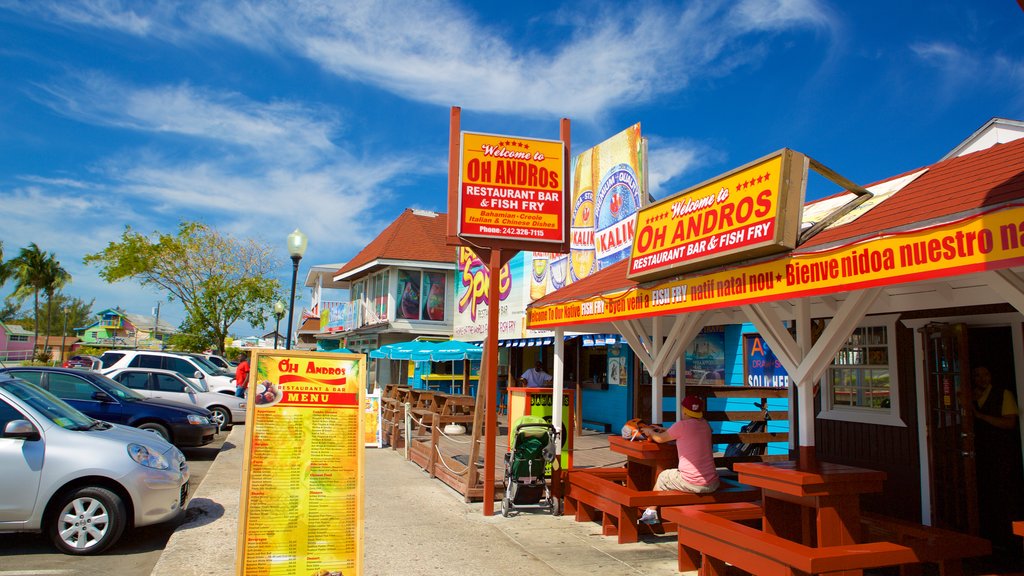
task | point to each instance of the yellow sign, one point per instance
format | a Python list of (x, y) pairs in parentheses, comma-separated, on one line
[(512, 188), (988, 241), (302, 482), (538, 402), (751, 211)]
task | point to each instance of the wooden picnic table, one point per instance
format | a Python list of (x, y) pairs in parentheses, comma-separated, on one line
[(644, 460), (817, 505)]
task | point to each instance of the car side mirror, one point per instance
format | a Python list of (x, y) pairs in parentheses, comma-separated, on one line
[(101, 397), (199, 375), (21, 429)]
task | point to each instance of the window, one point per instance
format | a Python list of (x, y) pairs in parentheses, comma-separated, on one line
[(33, 377), (8, 413), (109, 358), (68, 387), (420, 295), (181, 366), (18, 338), (860, 386), (145, 361), (135, 380), (168, 383)]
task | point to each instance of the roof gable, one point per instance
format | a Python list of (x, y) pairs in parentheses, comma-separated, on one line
[(415, 236)]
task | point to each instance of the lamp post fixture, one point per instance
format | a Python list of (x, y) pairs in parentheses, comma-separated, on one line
[(278, 313), (296, 248)]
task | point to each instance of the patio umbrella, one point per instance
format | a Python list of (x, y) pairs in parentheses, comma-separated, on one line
[(450, 351), (381, 353)]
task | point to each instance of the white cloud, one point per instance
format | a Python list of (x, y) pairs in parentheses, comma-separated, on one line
[(440, 53), (671, 160)]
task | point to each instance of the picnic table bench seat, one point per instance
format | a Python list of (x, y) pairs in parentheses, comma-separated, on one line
[(601, 494), (709, 537), (945, 548)]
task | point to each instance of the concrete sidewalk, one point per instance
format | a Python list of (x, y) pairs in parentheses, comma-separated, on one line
[(415, 525)]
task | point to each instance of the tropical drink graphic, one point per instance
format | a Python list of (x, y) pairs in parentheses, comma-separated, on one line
[(433, 304), (581, 245), (539, 276)]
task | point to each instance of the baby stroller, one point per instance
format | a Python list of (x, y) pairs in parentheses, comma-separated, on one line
[(532, 449)]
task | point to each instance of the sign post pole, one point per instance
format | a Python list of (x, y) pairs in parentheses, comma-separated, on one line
[(491, 370)]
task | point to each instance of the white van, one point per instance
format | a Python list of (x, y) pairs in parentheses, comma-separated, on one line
[(199, 373)]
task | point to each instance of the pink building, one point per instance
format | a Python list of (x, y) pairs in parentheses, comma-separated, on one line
[(16, 343)]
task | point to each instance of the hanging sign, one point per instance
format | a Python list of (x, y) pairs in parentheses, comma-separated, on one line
[(751, 211), (301, 509), (512, 188)]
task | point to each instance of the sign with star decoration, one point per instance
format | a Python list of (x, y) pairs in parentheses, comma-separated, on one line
[(751, 211), (512, 188)]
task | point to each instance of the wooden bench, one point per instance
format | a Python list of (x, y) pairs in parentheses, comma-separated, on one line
[(708, 535), (601, 494), (393, 414), (933, 545)]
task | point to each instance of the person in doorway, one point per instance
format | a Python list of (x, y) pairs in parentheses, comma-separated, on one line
[(997, 455), (535, 377), (696, 471), (242, 375)]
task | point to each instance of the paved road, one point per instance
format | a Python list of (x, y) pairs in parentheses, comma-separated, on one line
[(134, 555)]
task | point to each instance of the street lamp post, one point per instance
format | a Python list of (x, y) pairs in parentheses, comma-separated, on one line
[(278, 313), (296, 248)]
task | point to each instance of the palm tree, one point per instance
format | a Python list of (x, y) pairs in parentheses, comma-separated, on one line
[(55, 278), (29, 268)]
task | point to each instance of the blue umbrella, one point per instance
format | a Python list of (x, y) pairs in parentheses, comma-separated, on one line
[(451, 351)]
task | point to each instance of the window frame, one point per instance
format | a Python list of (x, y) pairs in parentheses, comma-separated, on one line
[(862, 414)]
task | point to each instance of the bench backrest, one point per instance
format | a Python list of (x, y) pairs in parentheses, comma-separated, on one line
[(747, 396)]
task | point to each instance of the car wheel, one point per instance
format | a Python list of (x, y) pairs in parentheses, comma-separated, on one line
[(87, 521), (221, 417), (158, 429)]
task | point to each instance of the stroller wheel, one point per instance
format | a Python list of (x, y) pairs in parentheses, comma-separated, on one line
[(506, 506), (556, 506)]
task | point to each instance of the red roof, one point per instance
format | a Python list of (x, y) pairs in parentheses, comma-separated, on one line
[(415, 236), (958, 186)]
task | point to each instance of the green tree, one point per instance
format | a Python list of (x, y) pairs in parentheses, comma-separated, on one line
[(218, 279), (31, 269), (55, 277)]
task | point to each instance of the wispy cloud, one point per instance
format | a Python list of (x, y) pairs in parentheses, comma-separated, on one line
[(439, 53)]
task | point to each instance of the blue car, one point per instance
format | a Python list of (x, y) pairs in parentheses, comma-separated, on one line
[(101, 398)]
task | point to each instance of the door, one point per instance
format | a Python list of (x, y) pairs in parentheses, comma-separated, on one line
[(22, 463), (950, 423)]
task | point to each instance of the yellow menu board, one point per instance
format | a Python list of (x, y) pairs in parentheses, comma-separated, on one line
[(302, 483)]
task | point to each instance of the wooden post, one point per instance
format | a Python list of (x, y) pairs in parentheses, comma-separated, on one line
[(491, 370)]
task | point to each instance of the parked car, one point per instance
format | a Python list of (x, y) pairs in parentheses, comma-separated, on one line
[(156, 383), (101, 398), (212, 366), (203, 374), (220, 362), (81, 481), (83, 361)]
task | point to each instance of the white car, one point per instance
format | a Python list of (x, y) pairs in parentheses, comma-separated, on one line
[(202, 374), (81, 481), (169, 385)]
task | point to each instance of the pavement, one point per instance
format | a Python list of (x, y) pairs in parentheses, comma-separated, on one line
[(417, 526)]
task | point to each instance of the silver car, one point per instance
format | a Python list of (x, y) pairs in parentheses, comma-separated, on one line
[(169, 385), (77, 479)]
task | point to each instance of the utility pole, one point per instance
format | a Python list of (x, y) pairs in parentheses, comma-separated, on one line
[(156, 327)]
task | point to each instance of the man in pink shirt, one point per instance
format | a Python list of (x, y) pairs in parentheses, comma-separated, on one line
[(696, 471)]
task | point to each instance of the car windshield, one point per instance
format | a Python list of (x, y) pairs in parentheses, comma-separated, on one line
[(116, 389), (48, 405)]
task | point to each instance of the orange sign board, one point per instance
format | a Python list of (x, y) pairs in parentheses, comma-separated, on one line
[(989, 241), (751, 211), (512, 188), (301, 509)]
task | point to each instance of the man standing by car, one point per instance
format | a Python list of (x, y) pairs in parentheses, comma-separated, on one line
[(242, 375)]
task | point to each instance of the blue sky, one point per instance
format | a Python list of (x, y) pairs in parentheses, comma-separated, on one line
[(260, 117)]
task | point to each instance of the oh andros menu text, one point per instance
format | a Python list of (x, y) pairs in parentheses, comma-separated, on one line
[(302, 493)]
